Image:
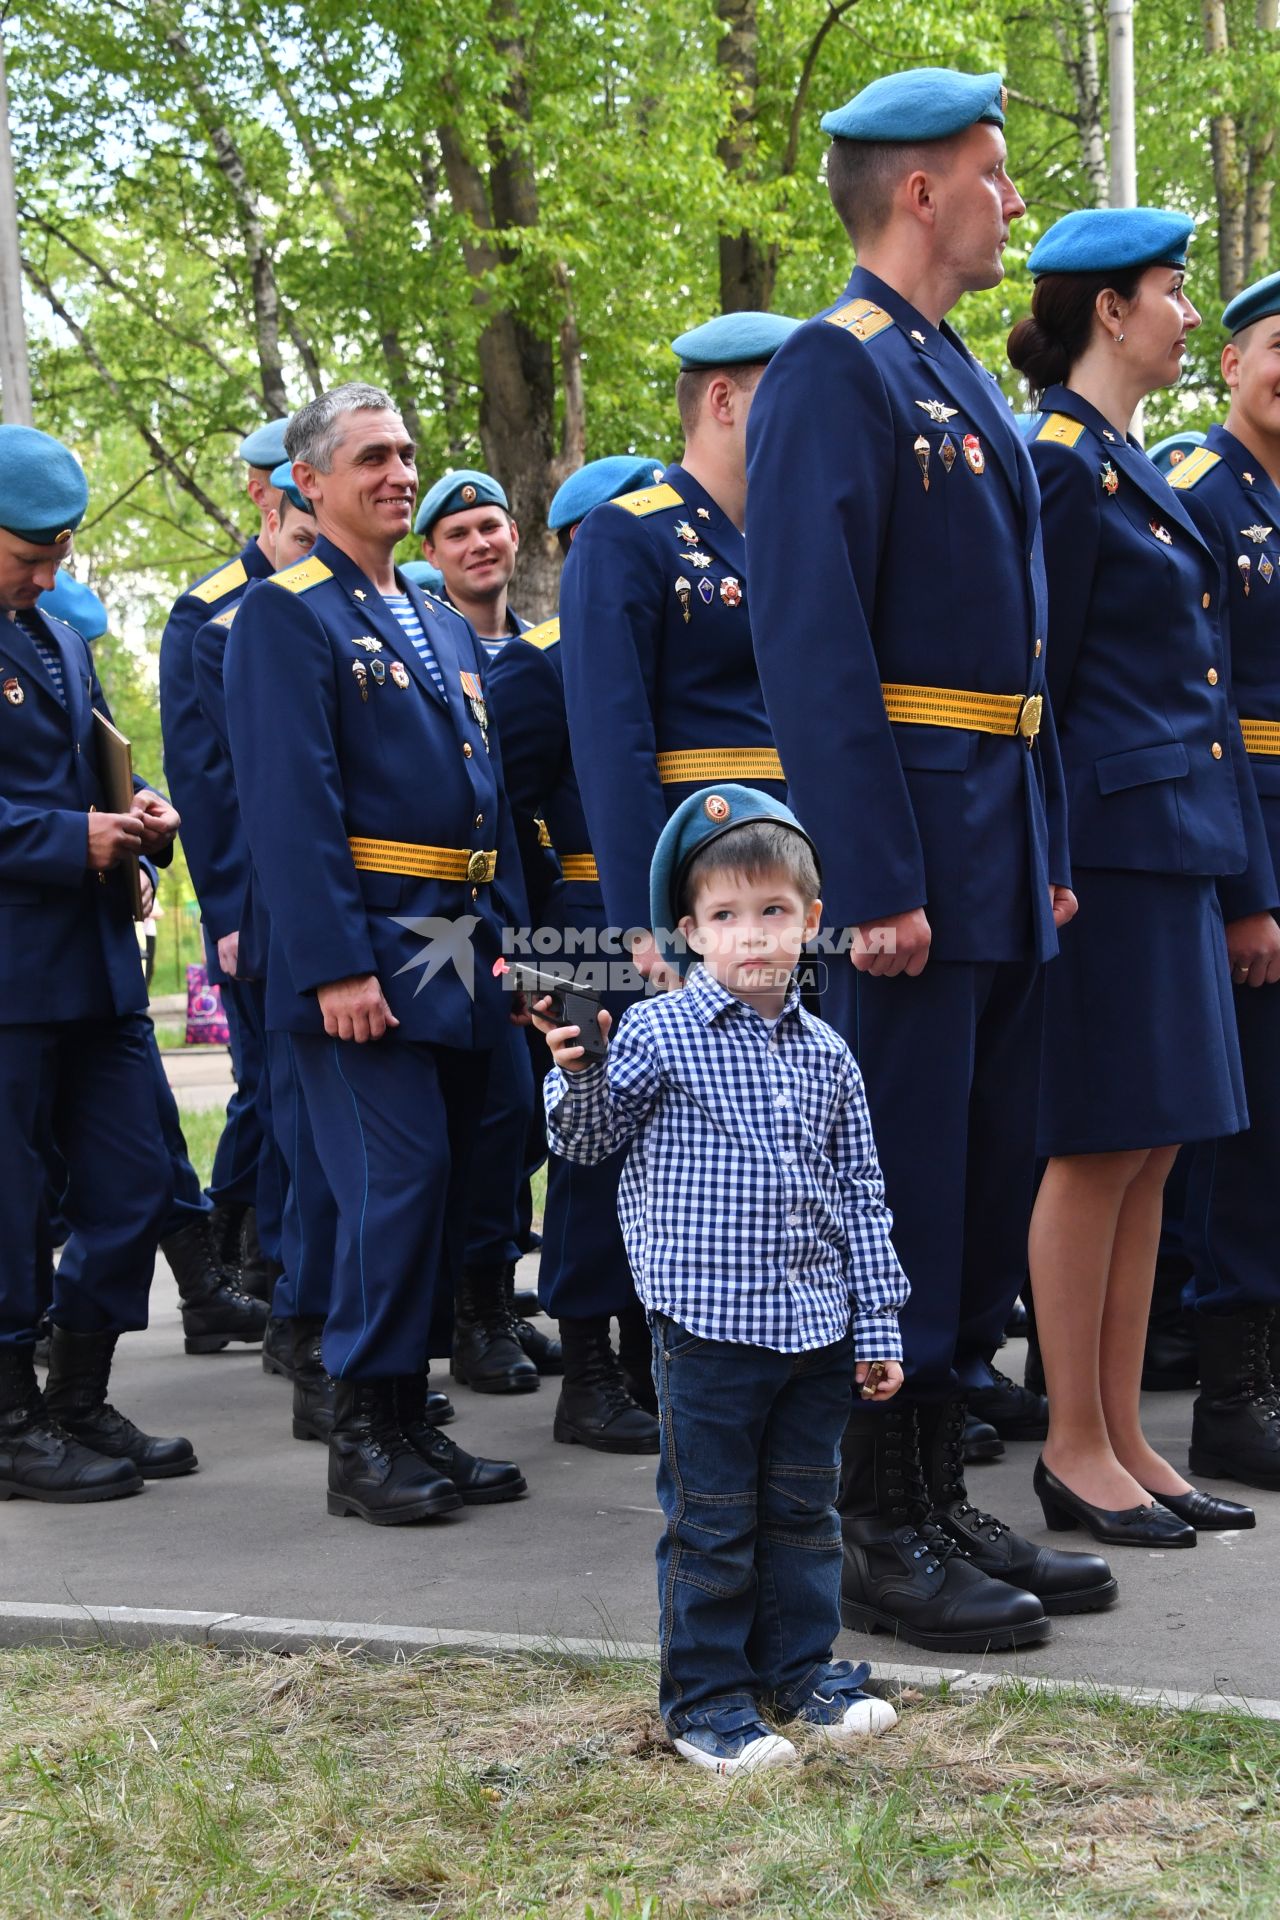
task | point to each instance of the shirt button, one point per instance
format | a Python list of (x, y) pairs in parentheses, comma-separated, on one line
[(1204, 600), (1216, 750), (1212, 676), (1039, 648), (466, 749), (788, 1159), (480, 816), (780, 1100)]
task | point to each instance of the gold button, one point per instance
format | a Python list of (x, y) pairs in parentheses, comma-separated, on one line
[(1211, 677), (1039, 648), (1216, 750), (466, 749), (1204, 600), (480, 816)]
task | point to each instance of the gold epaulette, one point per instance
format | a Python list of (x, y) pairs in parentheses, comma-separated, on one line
[(545, 634), (1193, 468), (862, 318), (648, 500), (225, 619), (306, 573), (226, 580), (1060, 428)]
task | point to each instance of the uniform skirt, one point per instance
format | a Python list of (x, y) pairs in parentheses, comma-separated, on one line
[(1140, 1046)]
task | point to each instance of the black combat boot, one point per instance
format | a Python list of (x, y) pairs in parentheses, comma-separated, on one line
[(1235, 1419), (258, 1274), (313, 1390), (1170, 1363), (635, 1357), (480, 1483), (374, 1473), (595, 1409), (545, 1352), (487, 1355), (903, 1575), (981, 1441), (214, 1309), (1062, 1582), (1015, 1412), (277, 1347), (76, 1395), (225, 1222), (39, 1460)]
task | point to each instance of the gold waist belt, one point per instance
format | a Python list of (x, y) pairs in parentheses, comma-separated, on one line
[(424, 863), (1006, 713), (579, 866), (1261, 736), (719, 763)]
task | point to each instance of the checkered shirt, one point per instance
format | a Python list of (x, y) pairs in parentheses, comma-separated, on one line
[(751, 1202)]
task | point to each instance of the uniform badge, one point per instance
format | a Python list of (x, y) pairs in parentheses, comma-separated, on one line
[(698, 559), (1256, 534), (1107, 434), (1162, 533), (716, 807), (399, 673), (706, 592), (475, 700), (731, 591), (947, 453), (367, 641), (360, 593), (1177, 457), (685, 532), (918, 337), (378, 668), (1247, 478), (975, 458), (1266, 569), (13, 692), (468, 495), (704, 513), (361, 675), (1110, 478), (920, 447), (937, 412), (1244, 563), (682, 595)]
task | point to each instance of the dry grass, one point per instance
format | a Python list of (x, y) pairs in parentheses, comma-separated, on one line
[(186, 1783)]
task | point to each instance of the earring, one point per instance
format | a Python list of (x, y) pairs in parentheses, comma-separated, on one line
[(1119, 338)]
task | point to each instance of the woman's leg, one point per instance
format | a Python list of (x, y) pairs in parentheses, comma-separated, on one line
[(1124, 1324)]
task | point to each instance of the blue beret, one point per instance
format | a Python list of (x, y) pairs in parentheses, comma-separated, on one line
[(43, 491), (455, 493), (703, 817), (264, 447), (70, 600), (926, 103), (423, 574), (733, 340), (1104, 239), (598, 481), (1174, 448), (282, 477), (1257, 302)]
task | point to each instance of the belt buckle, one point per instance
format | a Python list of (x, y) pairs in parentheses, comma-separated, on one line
[(479, 867), (1029, 715)]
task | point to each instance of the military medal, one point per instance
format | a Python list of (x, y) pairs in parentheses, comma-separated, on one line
[(698, 559), (367, 641), (1244, 563), (1162, 533), (731, 591), (1266, 569), (685, 532), (475, 700), (706, 592), (937, 412), (921, 447), (947, 452), (399, 673), (361, 674), (682, 595), (1110, 478), (1256, 534), (13, 692), (975, 458), (378, 668)]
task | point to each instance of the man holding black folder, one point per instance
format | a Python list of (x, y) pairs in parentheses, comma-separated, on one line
[(74, 1069)]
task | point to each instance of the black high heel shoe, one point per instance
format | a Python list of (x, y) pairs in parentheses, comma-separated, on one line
[(1206, 1511), (1153, 1526)]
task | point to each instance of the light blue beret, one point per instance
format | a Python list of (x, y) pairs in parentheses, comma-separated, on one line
[(455, 493), (423, 574), (264, 447), (1257, 302), (926, 103), (1105, 239), (598, 481), (697, 821), (282, 477), (43, 491), (1174, 448), (70, 600), (733, 340)]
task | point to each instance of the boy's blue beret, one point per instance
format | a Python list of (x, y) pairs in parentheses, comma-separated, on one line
[(1257, 302), (1174, 448), (925, 103), (424, 575), (43, 491), (1105, 239), (455, 493), (732, 340), (282, 477), (598, 481), (70, 600), (264, 447), (697, 821)]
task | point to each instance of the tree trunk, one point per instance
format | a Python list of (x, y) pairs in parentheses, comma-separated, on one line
[(747, 269), (1227, 183), (1093, 139), (1261, 182)]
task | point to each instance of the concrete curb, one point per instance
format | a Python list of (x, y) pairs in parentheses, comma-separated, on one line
[(31, 1624)]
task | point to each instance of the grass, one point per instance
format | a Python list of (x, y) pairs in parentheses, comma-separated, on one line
[(181, 1782)]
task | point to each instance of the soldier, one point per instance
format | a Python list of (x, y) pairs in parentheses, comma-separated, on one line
[(903, 672), (469, 534), (373, 805), (75, 1073)]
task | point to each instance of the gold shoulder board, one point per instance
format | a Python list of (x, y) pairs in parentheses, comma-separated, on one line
[(544, 635), (648, 500), (1193, 468), (225, 619), (307, 573), (1060, 428), (862, 318), (226, 580)]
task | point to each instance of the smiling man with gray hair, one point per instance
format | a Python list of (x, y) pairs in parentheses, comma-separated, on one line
[(371, 792)]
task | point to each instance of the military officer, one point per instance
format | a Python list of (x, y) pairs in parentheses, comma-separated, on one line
[(901, 647), (372, 800), (75, 1075), (470, 535), (1231, 488)]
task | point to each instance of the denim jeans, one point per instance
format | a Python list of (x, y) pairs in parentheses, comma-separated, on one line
[(749, 1565)]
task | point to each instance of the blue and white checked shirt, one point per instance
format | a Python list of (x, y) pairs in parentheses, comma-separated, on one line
[(751, 1202)]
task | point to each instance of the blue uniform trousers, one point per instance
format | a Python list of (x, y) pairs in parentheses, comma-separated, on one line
[(394, 1124), (88, 1086), (309, 1226), (499, 1169), (186, 1196), (1231, 1223), (951, 1062), (246, 1166)]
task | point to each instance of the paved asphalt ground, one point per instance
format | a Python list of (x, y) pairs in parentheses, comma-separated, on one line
[(249, 1534)]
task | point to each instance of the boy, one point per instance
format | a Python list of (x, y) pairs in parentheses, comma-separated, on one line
[(754, 1217)]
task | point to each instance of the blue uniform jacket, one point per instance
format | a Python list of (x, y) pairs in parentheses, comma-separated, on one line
[(326, 750), (860, 576), (658, 663), (208, 656), (1236, 506), (196, 765), (68, 950), (1138, 667)]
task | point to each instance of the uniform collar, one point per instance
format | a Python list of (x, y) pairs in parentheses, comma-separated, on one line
[(255, 562), (1128, 454), (710, 521), (16, 639), (710, 999), (1259, 486)]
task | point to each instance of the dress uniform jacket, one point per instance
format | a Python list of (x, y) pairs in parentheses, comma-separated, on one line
[(660, 680)]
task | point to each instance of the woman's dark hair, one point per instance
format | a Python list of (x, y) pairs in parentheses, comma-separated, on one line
[(1046, 345)]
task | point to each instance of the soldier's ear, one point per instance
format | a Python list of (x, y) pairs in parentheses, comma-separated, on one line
[(1231, 364)]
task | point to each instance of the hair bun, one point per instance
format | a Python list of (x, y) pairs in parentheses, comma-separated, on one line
[(1042, 360)]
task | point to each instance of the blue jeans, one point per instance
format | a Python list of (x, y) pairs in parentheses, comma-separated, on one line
[(749, 1565)]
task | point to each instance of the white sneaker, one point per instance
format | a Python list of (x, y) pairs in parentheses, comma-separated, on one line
[(839, 1710), (747, 1747)]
